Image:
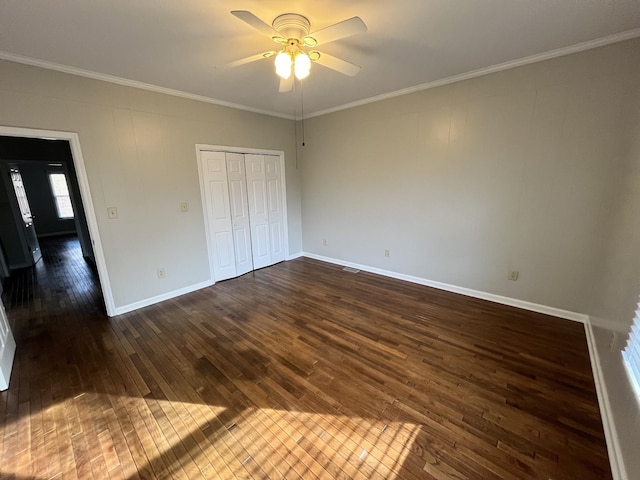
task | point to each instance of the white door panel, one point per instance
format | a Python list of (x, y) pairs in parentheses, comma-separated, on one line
[(224, 246), (243, 248), (275, 240), (239, 212), (258, 212), (262, 245), (274, 207), (219, 212), (245, 208), (274, 195), (259, 206)]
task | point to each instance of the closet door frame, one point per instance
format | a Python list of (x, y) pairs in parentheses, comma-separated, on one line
[(241, 150)]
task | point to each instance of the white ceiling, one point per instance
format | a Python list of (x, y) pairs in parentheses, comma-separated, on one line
[(184, 45)]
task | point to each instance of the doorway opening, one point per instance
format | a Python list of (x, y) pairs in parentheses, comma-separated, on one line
[(47, 166)]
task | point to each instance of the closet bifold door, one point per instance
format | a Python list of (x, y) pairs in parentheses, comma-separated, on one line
[(239, 213), (218, 210), (274, 207), (258, 211), (244, 208)]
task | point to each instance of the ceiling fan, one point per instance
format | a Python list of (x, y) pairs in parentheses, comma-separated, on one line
[(291, 31)]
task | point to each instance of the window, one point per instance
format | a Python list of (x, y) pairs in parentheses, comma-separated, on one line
[(631, 353), (60, 191)]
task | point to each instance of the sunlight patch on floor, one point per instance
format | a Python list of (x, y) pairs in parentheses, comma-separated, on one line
[(101, 435)]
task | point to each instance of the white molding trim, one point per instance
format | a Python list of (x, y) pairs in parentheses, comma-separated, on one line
[(162, 297), (7, 349), (513, 302), (85, 196), (294, 256), (35, 62), (578, 47), (616, 461), (7, 354)]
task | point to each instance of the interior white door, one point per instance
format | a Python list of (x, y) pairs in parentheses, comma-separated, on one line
[(239, 212), (218, 210), (7, 349), (274, 207), (258, 210), (24, 219)]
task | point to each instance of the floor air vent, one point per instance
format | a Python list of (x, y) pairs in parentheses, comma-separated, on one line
[(351, 270)]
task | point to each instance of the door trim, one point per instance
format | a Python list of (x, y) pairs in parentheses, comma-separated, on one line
[(7, 349), (242, 150), (85, 197)]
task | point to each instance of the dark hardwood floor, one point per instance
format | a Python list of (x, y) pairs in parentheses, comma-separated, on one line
[(300, 370)]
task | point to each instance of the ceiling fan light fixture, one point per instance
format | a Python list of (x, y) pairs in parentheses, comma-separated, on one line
[(302, 65), (283, 64), (292, 32)]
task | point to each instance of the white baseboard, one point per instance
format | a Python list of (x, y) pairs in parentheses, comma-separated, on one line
[(176, 293), (613, 446), (513, 302), (160, 298), (611, 435)]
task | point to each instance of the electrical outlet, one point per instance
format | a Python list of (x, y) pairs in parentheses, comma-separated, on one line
[(513, 275), (161, 272), (324, 242), (387, 253), (184, 207), (112, 213)]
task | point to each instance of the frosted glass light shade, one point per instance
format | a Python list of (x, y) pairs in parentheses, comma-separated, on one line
[(302, 66), (283, 64)]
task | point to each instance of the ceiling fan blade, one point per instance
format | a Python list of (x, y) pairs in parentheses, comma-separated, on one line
[(335, 63), (339, 30), (256, 23), (286, 84), (252, 58)]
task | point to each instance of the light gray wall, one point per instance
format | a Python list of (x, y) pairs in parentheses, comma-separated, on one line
[(535, 168), (617, 287), (139, 153), (464, 182)]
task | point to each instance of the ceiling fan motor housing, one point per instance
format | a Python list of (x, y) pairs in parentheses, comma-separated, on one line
[(292, 25)]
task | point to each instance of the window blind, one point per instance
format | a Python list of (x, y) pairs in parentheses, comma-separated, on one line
[(631, 353)]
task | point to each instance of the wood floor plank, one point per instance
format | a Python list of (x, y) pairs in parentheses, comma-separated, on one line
[(297, 371)]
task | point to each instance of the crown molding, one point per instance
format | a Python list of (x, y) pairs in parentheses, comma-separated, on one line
[(35, 62), (578, 47)]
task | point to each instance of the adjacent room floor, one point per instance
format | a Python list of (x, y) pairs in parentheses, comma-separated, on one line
[(300, 370)]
